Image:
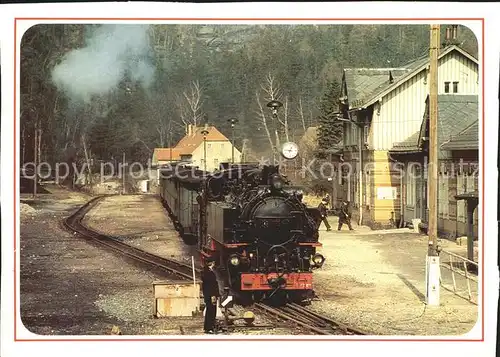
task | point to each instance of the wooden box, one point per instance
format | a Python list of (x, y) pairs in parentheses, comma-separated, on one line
[(179, 298)]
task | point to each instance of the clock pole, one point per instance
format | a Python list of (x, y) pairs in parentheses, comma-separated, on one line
[(274, 105)]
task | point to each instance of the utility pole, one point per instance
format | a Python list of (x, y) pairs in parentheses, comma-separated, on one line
[(35, 181), (274, 105), (170, 146), (205, 133), (432, 264), (232, 121), (123, 178)]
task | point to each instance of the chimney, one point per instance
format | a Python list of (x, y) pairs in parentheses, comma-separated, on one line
[(391, 78), (190, 130)]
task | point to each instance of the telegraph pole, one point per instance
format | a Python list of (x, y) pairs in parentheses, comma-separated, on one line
[(205, 133), (232, 121), (123, 178), (432, 264), (35, 182)]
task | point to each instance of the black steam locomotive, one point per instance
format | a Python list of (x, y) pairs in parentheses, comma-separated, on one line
[(253, 222)]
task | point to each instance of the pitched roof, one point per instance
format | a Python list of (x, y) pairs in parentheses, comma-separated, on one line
[(163, 154), (467, 139), (410, 144), (456, 113), (407, 72), (190, 142), (363, 83)]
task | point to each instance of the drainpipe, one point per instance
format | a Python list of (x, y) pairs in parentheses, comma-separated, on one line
[(360, 153)]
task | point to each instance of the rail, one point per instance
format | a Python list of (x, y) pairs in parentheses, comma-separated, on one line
[(308, 319), (460, 274), (74, 224), (299, 315)]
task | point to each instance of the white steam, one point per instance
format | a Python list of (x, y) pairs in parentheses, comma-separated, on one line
[(113, 52)]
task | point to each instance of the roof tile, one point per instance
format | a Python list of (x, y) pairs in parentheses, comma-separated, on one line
[(163, 154), (457, 115), (189, 143)]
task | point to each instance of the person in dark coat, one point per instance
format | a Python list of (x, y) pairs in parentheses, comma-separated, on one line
[(322, 210), (327, 200), (345, 216), (210, 288)]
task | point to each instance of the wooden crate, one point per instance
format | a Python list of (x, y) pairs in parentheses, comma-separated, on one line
[(179, 298)]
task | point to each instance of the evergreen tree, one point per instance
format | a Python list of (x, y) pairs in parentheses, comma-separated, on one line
[(330, 129)]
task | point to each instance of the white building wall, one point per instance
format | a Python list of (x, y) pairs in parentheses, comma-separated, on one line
[(402, 110), (217, 152)]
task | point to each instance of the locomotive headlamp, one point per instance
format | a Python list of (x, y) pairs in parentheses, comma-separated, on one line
[(234, 260), (318, 259)]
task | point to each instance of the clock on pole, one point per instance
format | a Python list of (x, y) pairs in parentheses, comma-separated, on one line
[(289, 150)]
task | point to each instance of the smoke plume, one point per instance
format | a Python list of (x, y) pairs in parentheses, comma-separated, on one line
[(113, 53)]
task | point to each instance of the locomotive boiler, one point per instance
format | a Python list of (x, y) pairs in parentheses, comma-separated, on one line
[(252, 220)]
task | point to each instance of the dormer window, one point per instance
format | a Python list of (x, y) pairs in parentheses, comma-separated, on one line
[(447, 87)]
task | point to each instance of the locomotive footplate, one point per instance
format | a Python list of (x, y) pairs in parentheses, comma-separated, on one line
[(290, 281)]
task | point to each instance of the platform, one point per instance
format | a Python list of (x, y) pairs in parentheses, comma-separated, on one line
[(375, 280)]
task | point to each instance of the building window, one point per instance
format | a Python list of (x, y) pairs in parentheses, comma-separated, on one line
[(461, 203), (447, 87), (216, 163), (410, 185), (366, 131), (354, 134), (471, 183), (209, 146), (455, 87)]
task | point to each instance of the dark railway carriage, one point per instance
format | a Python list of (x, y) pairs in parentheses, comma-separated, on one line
[(254, 223), (179, 186)]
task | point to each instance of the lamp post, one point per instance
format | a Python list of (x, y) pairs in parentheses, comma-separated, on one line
[(274, 105), (232, 121), (170, 145), (205, 133), (360, 155)]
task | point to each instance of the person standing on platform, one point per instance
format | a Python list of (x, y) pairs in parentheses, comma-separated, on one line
[(210, 288), (345, 216)]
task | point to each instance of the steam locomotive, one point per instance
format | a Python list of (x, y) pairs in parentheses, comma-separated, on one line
[(253, 222)]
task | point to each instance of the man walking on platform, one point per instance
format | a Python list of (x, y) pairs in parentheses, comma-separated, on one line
[(323, 212)]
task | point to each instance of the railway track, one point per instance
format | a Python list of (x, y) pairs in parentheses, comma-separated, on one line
[(308, 319), (74, 224), (294, 313)]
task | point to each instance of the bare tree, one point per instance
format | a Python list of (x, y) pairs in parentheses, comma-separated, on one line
[(273, 92), (189, 105), (193, 98), (87, 159), (262, 116), (271, 88), (300, 110), (284, 122)]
